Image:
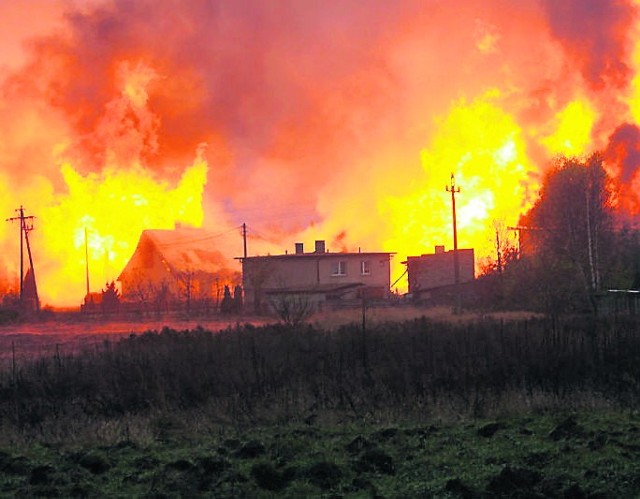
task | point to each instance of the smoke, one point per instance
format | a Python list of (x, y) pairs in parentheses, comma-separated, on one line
[(623, 156), (596, 35), (323, 120), (624, 151)]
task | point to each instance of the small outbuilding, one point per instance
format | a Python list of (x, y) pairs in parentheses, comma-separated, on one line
[(429, 273)]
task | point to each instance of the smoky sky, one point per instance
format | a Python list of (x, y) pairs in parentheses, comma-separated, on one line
[(315, 114), (239, 69), (624, 150), (594, 32), (257, 77)]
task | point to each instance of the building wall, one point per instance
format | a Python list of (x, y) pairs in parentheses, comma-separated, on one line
[(436, 270), (309, 271)]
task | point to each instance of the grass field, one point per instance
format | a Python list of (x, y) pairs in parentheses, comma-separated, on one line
[(403, 405), (541, 455)]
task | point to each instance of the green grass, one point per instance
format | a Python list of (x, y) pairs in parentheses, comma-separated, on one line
[(485, 408), (545, 455)]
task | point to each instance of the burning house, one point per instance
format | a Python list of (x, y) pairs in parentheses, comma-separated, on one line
[(435, 273), (319, 277), (176, 266)]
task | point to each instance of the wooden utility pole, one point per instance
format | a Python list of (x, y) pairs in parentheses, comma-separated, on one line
[(456, 266), (498, 253), (86, 259), (26, 226), (244, 239)]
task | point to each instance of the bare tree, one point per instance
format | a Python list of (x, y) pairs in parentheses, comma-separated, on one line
[(186, 284), (292, 308)]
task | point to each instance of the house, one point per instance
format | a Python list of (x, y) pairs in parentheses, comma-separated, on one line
[(430, 272), (176, 266), (319, 278)]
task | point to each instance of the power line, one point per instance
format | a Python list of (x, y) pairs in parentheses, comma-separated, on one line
[(182, 241)]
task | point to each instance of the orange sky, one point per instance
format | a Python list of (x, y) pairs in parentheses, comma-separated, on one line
[(307, 120)]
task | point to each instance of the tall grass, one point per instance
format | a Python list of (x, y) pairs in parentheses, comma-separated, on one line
[(420, 368)]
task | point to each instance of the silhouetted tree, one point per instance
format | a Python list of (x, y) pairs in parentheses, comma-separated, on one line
[(186, 284), (292, 308), (571, 231), (237, 299), (572, 246), (110, 298), (226, 306)]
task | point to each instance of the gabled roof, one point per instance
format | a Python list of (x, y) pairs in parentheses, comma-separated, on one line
[(183, 249), (187, 249)]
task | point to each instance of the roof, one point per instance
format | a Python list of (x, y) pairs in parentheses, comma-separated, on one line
[(326, 254), (434, 256), (187, 249)]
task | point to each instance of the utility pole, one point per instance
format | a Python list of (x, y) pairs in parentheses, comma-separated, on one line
[(456, 266), (86, 258), (498, 253), (244, 239), (26, 225)]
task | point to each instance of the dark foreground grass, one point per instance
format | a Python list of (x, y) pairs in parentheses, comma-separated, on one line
[(533, 408), (546, 455)]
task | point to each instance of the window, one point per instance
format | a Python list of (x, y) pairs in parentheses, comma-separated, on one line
[(339, 268), (365, 268)]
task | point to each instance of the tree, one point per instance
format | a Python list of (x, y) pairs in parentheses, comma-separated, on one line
[(187, 284), (292, 308), (237, 299), (571, 228), (226, 307), (110, 298), (492, 285)]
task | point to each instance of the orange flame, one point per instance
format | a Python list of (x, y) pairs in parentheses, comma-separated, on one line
[(352, 117), (113, 204)]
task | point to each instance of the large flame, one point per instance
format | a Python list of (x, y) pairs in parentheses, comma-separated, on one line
[(94, 221), (340, 121), (486, 151)]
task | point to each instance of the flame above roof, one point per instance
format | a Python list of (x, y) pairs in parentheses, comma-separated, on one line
[(187, 249)]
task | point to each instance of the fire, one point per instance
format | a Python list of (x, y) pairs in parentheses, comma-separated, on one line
[(573, 127), (485, 148), (114, 207), (347, 119), (100, 214), (634, 100)]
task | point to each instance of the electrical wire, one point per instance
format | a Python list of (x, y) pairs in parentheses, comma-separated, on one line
[(183, 241)]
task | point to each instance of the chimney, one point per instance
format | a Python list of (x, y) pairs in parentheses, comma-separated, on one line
[(439, 249), (299, 248), (320, 246)]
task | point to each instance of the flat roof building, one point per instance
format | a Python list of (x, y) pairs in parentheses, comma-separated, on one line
[(436, 270), (318, 276)]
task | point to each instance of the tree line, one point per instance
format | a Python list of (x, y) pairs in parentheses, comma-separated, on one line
[(572, 246)]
